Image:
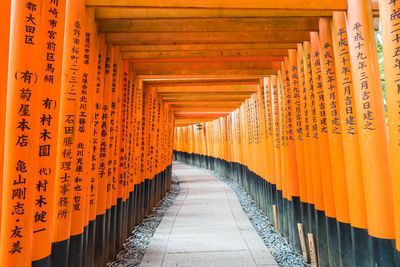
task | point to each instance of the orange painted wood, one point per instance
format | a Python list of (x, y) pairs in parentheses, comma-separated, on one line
[(269, 129), (210, 24), (391, 72), (276, 126), (21, 147), (334, 122), (5, 16), (48, 122), (371, 119), (305, 111), (99, 60), (264, 4), (351, 145), (297, 122)]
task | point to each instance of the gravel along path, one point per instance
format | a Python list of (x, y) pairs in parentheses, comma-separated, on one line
[(135, 246)]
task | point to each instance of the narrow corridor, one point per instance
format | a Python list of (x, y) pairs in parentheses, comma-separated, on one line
[(206, 226)]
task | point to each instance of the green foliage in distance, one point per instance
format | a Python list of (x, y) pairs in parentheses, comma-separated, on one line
[(380, 57)]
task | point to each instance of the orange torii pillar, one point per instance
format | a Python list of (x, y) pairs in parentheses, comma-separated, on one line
[(66, 150), (101, 209), (5, 15), (314, 181), (299, 137), (84, 101), (111, 158), (121, 174), (333, 115), (277, 137), (21, 146), (325, 221), (351, 147), (269, 135), (293, 205), (129, 170), (372, 130), (49, 119), (90, 63), (306, 129), (282, 192), (99, 61), (390, 19)]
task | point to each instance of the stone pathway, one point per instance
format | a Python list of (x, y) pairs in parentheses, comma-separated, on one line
[(205, 226)]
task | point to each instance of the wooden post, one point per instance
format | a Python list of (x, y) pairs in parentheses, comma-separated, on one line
[(302, 241), (313, 252), (275, 212)]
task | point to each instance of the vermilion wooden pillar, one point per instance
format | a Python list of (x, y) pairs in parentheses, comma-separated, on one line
[(334, 124), (5, 16), (372, 130), (50, 83), (390, 19), (351, 146), (324, 221), (21, 147)]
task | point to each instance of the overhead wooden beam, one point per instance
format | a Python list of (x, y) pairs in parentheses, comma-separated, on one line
[(271, 52), (150, 78), (210, 24), (204, 73), (204, 109), (193, 66), (152, 13), (199, 115), (216, 103), (201, 83), (164, 90), (206, 105), (221, 99), (207, 47), (259, 4), (179, 123), (152, 38), (208, 59), (191, 95), (197, 119)]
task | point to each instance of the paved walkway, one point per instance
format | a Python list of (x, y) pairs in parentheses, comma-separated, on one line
[(205, 226)]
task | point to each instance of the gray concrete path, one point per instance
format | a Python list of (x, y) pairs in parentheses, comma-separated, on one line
[(205, 226)]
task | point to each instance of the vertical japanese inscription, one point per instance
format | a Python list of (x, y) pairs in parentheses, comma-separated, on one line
[(21, 136)]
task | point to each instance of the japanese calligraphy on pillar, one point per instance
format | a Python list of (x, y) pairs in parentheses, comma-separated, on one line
[(53, 22), (371, 121), (82, 133), (21, 136), (368, 120), (65, 167), (96, 127), (319, 92), (345, 70), (390, 26)]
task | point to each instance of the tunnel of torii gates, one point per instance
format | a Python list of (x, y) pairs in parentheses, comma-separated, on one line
[(283, 97)]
